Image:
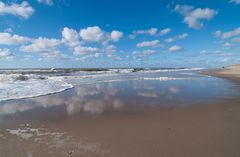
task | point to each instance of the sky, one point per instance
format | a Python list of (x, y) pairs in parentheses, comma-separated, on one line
[(119, 33)]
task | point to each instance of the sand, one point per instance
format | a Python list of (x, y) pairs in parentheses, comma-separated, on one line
[(209, 130), (231, 72)]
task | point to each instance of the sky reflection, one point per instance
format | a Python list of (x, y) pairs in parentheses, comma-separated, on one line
[(129, 96)]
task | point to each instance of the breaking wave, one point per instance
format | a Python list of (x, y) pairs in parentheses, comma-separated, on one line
[(17, 84), (14, 86)]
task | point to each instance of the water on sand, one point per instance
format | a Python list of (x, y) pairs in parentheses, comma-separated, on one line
[(104, 110)]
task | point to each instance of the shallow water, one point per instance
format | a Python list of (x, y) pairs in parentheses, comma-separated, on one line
[(156, 90), (17, 84)]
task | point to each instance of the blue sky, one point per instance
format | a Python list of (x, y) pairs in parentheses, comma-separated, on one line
[(120, 33)]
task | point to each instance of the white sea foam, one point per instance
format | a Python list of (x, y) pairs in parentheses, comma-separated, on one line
[(171, 70), (164, 78), (31, 86), (17, 85)]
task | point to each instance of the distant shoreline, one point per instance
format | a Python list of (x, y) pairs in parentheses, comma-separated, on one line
[(231, 73)]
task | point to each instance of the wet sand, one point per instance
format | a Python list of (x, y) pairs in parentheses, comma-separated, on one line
[(199, 131), (204, 130)]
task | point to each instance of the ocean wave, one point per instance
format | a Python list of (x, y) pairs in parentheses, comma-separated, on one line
[(24, 84), (31, 88), (19, 77)]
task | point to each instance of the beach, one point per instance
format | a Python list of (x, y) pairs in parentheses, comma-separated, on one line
[(231, 72), (119, 78), (152, 117)]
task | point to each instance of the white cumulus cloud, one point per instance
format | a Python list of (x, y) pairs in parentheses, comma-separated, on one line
[(169, 40), (165, 31), (175, 48), (152, 31), (23, 9), (12, 39), (80, 50), (96, 34), (230, 34), (153, 43), (194, 17), (92, 34), (183, 36), (48, 48), (179, 37), (116, 35), (70, 37)]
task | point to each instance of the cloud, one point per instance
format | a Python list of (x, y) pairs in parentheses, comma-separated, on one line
[(218, 33), (97, 55), (149, 52), (165, 31), (143, 54), (48, 48), (235, 1), (110, 50), (79, 43), (153, 43), (194, 17), (70, 37), (236, 40), (181, 36), (230, 34), (96, 34), (42, 45), (6, 54), (169, 40), (80, 50), (9, 39), (152, 31), (23, 9), (116, 35), (92, 34), (227, 45), (47, 2), (175, 48)]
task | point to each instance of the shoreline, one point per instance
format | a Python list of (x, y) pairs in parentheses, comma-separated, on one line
[(209, 130), (231, 73)]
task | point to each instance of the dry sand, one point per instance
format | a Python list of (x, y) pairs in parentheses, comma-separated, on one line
[(231, 72)]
